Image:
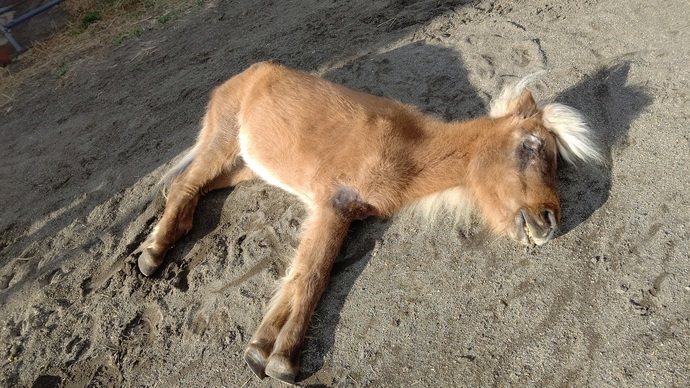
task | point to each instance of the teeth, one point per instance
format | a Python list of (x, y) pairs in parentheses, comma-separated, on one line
[(528, 234)]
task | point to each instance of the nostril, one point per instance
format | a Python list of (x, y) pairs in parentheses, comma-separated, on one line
[(549, 218)]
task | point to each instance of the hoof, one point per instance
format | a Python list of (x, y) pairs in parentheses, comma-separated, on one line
[(147, 264), (280, 368), (256, 359)]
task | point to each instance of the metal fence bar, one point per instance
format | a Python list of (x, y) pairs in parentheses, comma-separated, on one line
[(32, 13), (6, 27)]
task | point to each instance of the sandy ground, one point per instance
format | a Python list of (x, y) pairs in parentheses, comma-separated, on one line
[(605, 304)]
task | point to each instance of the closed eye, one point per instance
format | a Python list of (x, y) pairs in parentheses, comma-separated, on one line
[(530, 147)]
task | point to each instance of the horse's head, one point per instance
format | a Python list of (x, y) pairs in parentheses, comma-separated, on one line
[(515, 175)]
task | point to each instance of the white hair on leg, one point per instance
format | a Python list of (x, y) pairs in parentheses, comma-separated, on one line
[(574, 137)]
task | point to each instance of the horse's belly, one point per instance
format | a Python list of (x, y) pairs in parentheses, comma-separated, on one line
[(278, 167)]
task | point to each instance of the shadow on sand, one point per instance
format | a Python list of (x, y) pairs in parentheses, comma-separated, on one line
[(610, 105)]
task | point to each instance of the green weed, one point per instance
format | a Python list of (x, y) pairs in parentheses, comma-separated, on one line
[(61, 70), (90, 18), (122, 36)]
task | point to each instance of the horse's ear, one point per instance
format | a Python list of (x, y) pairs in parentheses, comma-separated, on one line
[(515, 100), (525, 106)]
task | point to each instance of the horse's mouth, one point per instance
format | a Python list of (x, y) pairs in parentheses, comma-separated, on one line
[(531, 232)]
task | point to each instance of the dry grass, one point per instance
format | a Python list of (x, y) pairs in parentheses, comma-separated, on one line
[(92, 24)]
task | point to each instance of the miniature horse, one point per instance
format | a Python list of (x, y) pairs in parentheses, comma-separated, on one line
[(349, 155)]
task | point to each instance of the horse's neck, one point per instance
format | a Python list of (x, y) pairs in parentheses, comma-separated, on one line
[(444, 158)]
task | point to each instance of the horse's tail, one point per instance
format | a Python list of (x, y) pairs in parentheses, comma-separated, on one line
[(176, 170)]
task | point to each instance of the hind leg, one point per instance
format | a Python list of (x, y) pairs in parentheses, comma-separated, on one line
[(230, 178), (205, 173), (215, 164)]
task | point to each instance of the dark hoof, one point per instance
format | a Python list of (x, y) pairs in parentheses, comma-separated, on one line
[(280, 368), (255, 358), (147, 264)]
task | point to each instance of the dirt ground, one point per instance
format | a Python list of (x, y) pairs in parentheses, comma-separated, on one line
[(607, 303)]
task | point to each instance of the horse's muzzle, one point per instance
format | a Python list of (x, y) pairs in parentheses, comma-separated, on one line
[(535, 229)]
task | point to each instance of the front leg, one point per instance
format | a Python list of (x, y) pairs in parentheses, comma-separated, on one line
[(274, 349)]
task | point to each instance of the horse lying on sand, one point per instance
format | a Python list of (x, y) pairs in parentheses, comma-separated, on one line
[(349, 155)]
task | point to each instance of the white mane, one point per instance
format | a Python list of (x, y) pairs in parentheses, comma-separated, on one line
[(456, 202), (574, 137)]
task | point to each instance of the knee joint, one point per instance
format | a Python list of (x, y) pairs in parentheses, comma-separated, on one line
[(348, 203)]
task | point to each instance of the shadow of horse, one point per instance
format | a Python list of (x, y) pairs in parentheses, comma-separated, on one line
[(611, 105)]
